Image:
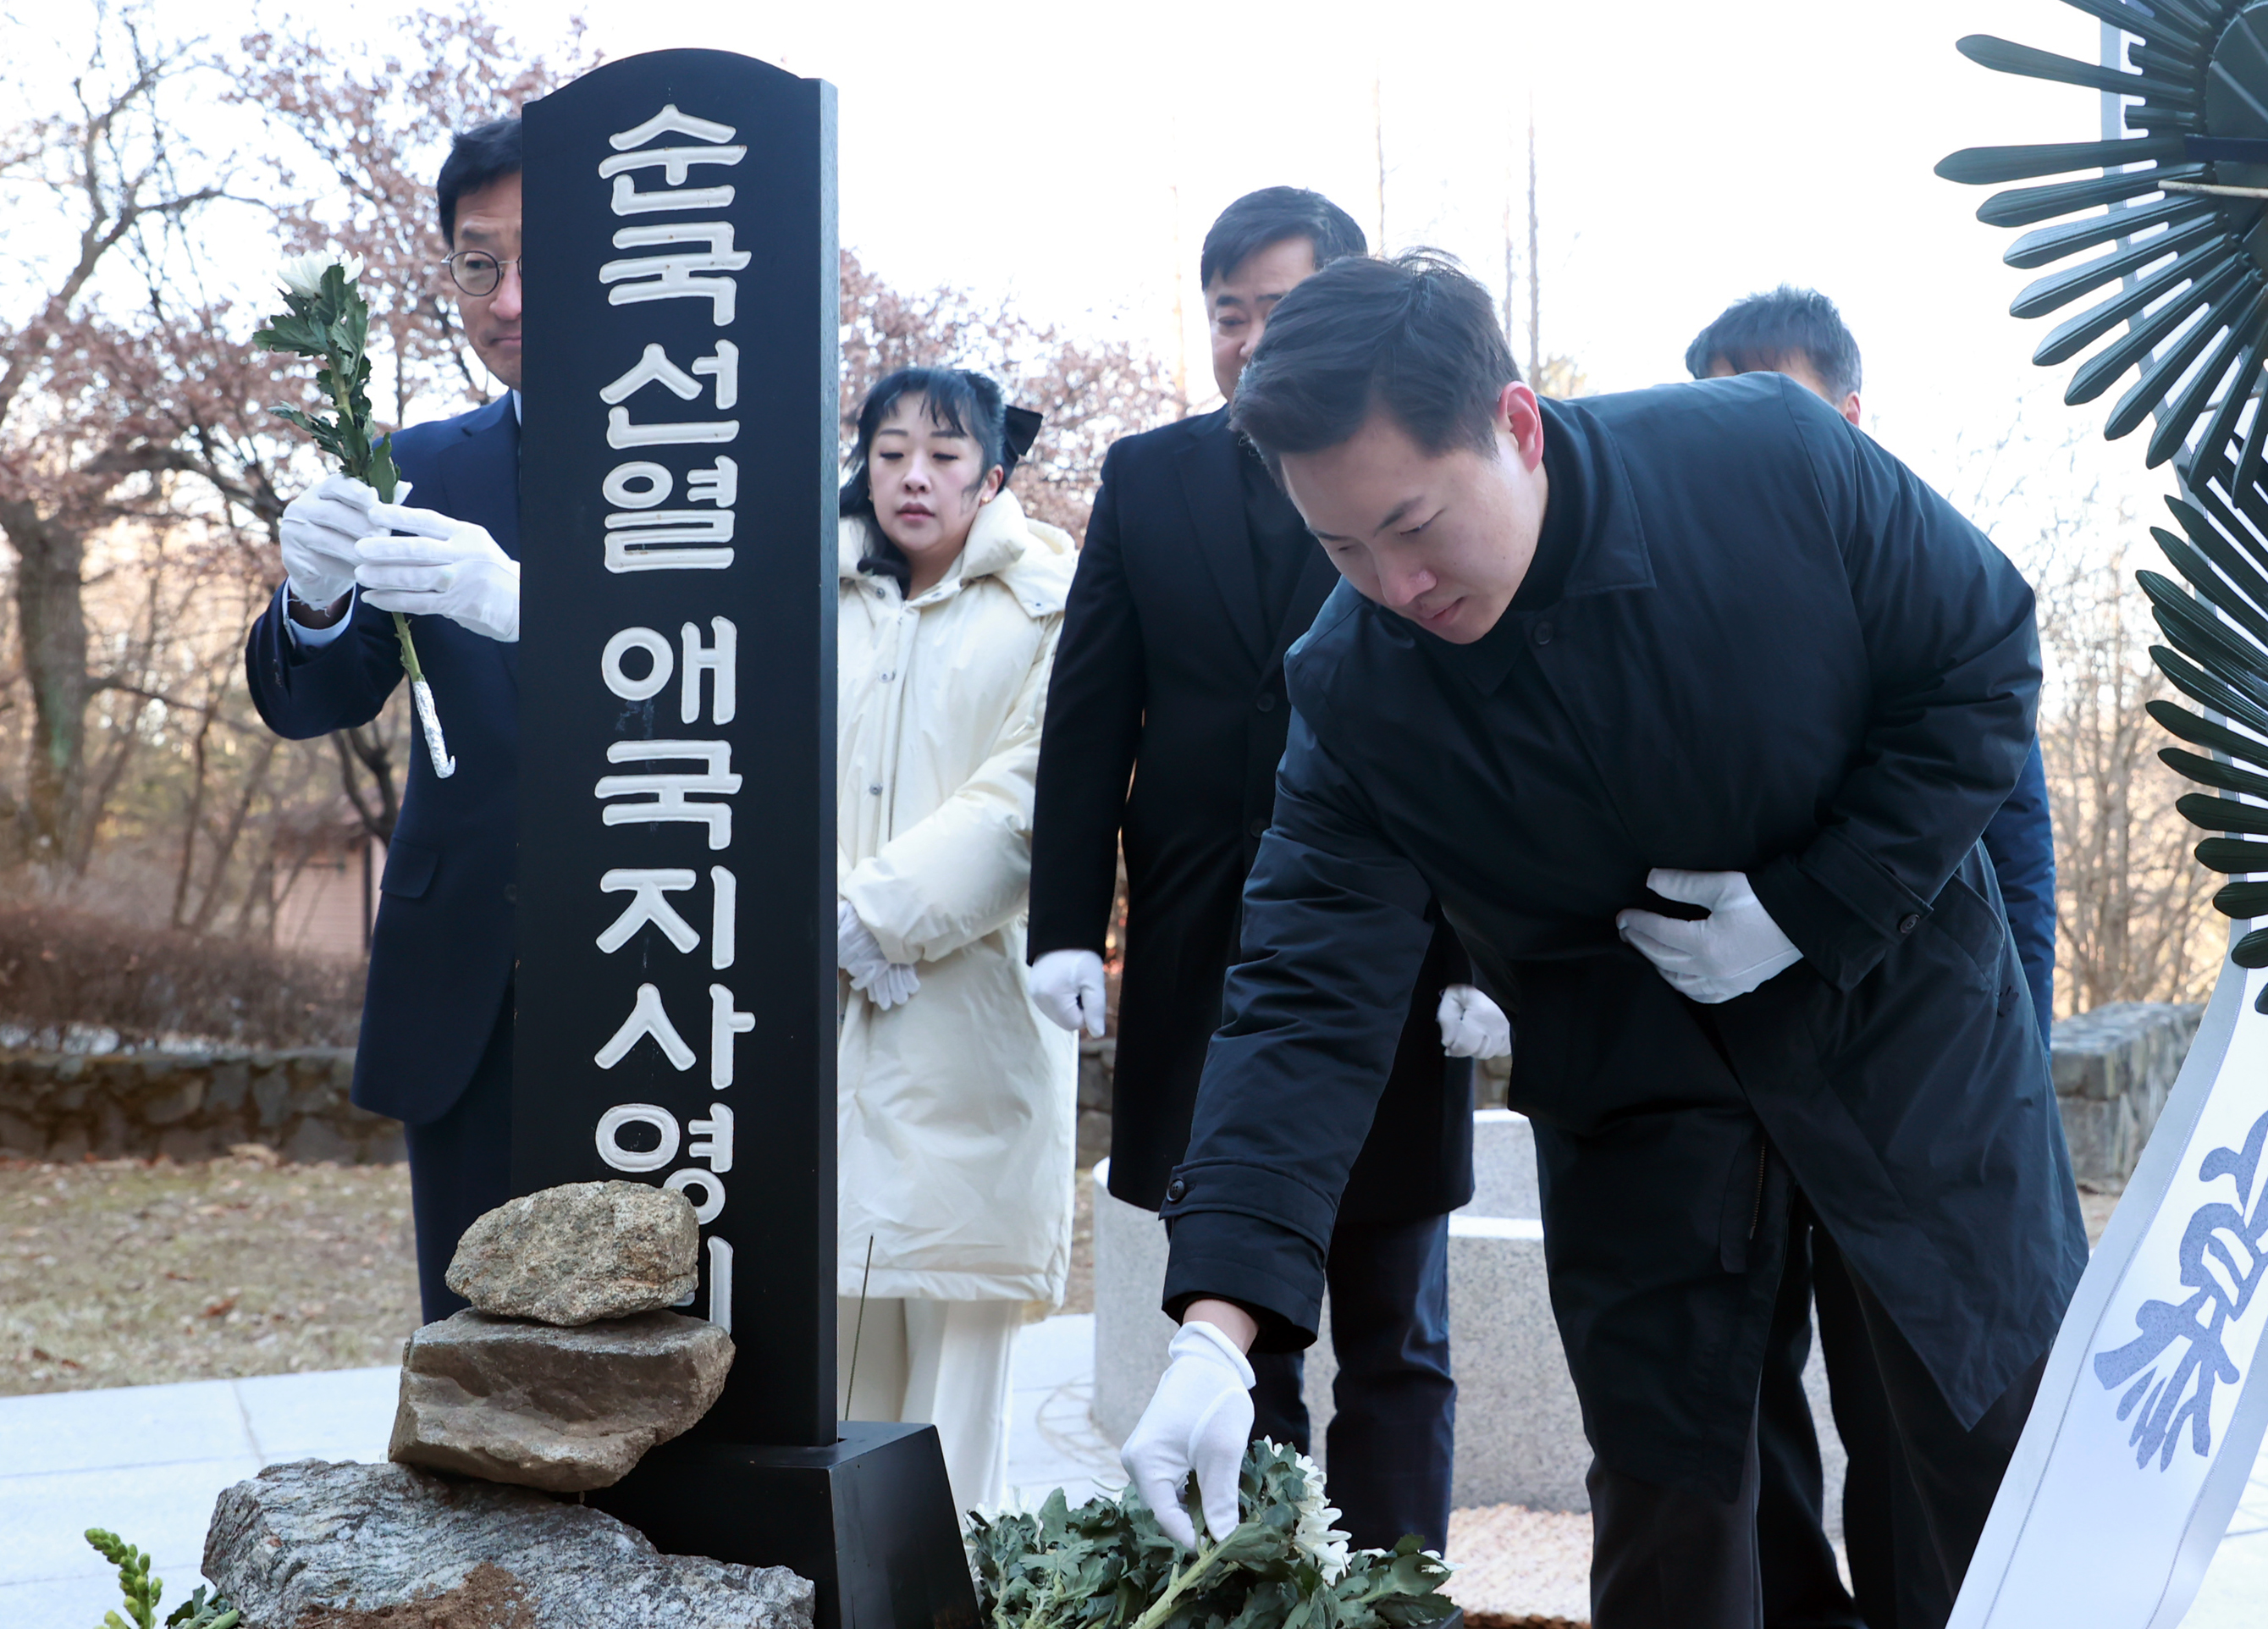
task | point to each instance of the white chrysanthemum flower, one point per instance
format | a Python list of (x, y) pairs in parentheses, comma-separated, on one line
[(1315, 1537), (303, 273)]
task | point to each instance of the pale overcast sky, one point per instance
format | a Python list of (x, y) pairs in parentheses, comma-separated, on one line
[(1689, 154)]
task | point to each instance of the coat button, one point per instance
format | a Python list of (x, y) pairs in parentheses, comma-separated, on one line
[(1176, 1191), (1908, 922), (1258, 827), (1266, 703), (1543, 633), (512, 893), (876, 790)]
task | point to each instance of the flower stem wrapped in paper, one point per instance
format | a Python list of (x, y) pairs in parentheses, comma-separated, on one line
[(327, 318), (1107, 1565)]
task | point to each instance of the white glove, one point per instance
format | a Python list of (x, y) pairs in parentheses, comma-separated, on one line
[(1199, 1420), (319, 530), (1728, 952), (1472, 1026), (1067, 986), (887, 983), (445, 568)]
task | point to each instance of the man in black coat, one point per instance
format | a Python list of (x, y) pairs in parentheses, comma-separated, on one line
[(435, 1045), (1798, 332), (1196, 575), (1593, 665)]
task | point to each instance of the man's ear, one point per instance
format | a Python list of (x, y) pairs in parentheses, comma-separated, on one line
[(1850, 409), (1519, 417)]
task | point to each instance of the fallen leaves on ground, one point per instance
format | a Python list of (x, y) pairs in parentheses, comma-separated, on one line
[(127, 1272)]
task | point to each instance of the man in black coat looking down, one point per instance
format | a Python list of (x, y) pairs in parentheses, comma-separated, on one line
[(1165, 720), (1689, 706)]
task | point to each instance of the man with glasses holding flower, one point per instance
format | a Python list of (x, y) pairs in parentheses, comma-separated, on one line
[(435, 1045)]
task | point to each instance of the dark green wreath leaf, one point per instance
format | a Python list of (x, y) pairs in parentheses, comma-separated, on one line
[(2252, 950), (1979, 166), (2211, 772), (2200, 686), (2023, 206), (2233, 855), (2222, 814), (2222, 592), (2203, 638), (2226, 541), (2242, 900), (2203, 733), (2145, 334)]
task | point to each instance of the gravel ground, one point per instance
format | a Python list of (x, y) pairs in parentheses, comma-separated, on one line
[(125, 1273), (1517, 1567), (122, 1273)]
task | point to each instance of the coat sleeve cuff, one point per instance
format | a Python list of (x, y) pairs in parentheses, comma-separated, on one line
[(1250, 1235), (1839, 908)]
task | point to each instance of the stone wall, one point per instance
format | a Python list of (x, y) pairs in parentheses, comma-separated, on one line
[(187, 1106), (2114, 1068)]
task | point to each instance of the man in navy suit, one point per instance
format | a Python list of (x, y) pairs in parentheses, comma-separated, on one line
[(436, 1048)]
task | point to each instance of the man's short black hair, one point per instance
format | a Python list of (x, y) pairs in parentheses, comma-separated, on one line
[(1260, 220), (1414, 336), (477, 157), (1765, 331)]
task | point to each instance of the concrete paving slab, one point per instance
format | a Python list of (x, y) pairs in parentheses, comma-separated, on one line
[(121, 1426), (162, 1509), (1052, 1351), (339, 1414), (1053, 1441), (77, 1602)]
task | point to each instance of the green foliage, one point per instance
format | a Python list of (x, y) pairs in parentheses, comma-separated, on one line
[(1107, 1565), (143, 1592), (332, 326)]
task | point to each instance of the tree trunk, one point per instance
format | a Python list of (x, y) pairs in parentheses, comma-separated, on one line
[(51, 618)]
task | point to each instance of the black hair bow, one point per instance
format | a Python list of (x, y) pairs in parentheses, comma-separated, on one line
[(1023, 429)]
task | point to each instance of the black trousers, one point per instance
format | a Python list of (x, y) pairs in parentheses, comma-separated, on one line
[(1885, 1531), (1393, 1432), (461, 1168), (1666, 1557)]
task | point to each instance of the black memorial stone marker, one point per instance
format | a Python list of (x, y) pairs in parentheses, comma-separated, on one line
[(675, 997)]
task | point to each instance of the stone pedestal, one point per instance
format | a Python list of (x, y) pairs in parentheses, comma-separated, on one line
[(2114, 1067)]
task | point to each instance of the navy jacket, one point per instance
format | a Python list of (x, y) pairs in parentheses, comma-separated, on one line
[(2022, 842), (1775, 651), (441, 949)]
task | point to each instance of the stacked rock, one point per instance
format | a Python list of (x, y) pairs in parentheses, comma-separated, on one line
[(568, 1365)]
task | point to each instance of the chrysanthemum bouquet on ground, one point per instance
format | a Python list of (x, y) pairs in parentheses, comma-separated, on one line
[(1107, 1565), (325, 319)]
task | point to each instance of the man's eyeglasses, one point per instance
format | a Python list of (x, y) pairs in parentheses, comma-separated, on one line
[(477, 273)]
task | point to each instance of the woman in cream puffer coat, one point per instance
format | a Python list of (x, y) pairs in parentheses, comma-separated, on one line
[(956, 1100)]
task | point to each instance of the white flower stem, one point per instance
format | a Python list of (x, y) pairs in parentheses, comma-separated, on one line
[(430, 720)]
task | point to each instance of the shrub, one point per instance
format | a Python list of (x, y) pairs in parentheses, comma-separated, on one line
[(61, 969)]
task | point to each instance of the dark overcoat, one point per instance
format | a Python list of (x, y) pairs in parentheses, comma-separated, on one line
[(441, 949), (1775, 652), (1166, 718)]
